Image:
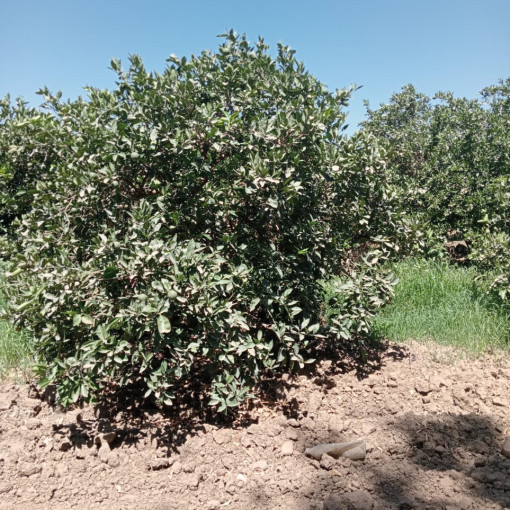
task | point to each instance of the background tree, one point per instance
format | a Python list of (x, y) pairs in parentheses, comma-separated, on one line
[(449, 159)]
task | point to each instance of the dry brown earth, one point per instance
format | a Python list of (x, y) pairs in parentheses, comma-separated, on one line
[(435, 427)]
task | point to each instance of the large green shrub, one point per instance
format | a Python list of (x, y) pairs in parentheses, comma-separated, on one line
[(187, 229)]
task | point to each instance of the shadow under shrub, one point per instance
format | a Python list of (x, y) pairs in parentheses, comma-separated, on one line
[(189, 227)]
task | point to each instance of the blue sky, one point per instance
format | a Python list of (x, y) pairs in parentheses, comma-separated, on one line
[(456, 45)]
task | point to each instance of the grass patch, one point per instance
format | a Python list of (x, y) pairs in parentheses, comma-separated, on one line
[(437, 301), (15, 351)]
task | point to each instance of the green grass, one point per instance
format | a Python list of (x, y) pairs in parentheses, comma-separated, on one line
[(444, 303), (14, 351)]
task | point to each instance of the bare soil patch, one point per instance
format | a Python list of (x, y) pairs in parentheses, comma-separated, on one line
[(435, 427)]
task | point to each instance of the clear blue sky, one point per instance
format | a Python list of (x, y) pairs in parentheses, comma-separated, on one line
[(457, 45)]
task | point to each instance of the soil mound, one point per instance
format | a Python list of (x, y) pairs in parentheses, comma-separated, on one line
[(436, 428)]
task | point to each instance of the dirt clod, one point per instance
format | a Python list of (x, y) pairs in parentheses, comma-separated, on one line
[(327, 462), (360, 500), (157, 464), (505, 449), (287, 448), (500, 402), (260, 465), (422, 387), (27, 469)]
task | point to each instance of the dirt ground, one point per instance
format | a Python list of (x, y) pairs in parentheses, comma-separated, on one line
[(435, 426)]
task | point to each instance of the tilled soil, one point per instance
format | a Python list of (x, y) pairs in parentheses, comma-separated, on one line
[(435, 427)]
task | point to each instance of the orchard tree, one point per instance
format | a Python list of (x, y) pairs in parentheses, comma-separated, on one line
[(185, 226), (449, 159)]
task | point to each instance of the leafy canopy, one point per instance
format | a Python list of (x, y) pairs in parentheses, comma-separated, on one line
[(180, 226), (449, 159)]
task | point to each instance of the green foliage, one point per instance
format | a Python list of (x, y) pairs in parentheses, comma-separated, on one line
[(490, 249), (449, 160), (446, 153), (30, 144), (186, 230), (353, 299), (445, 303)]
